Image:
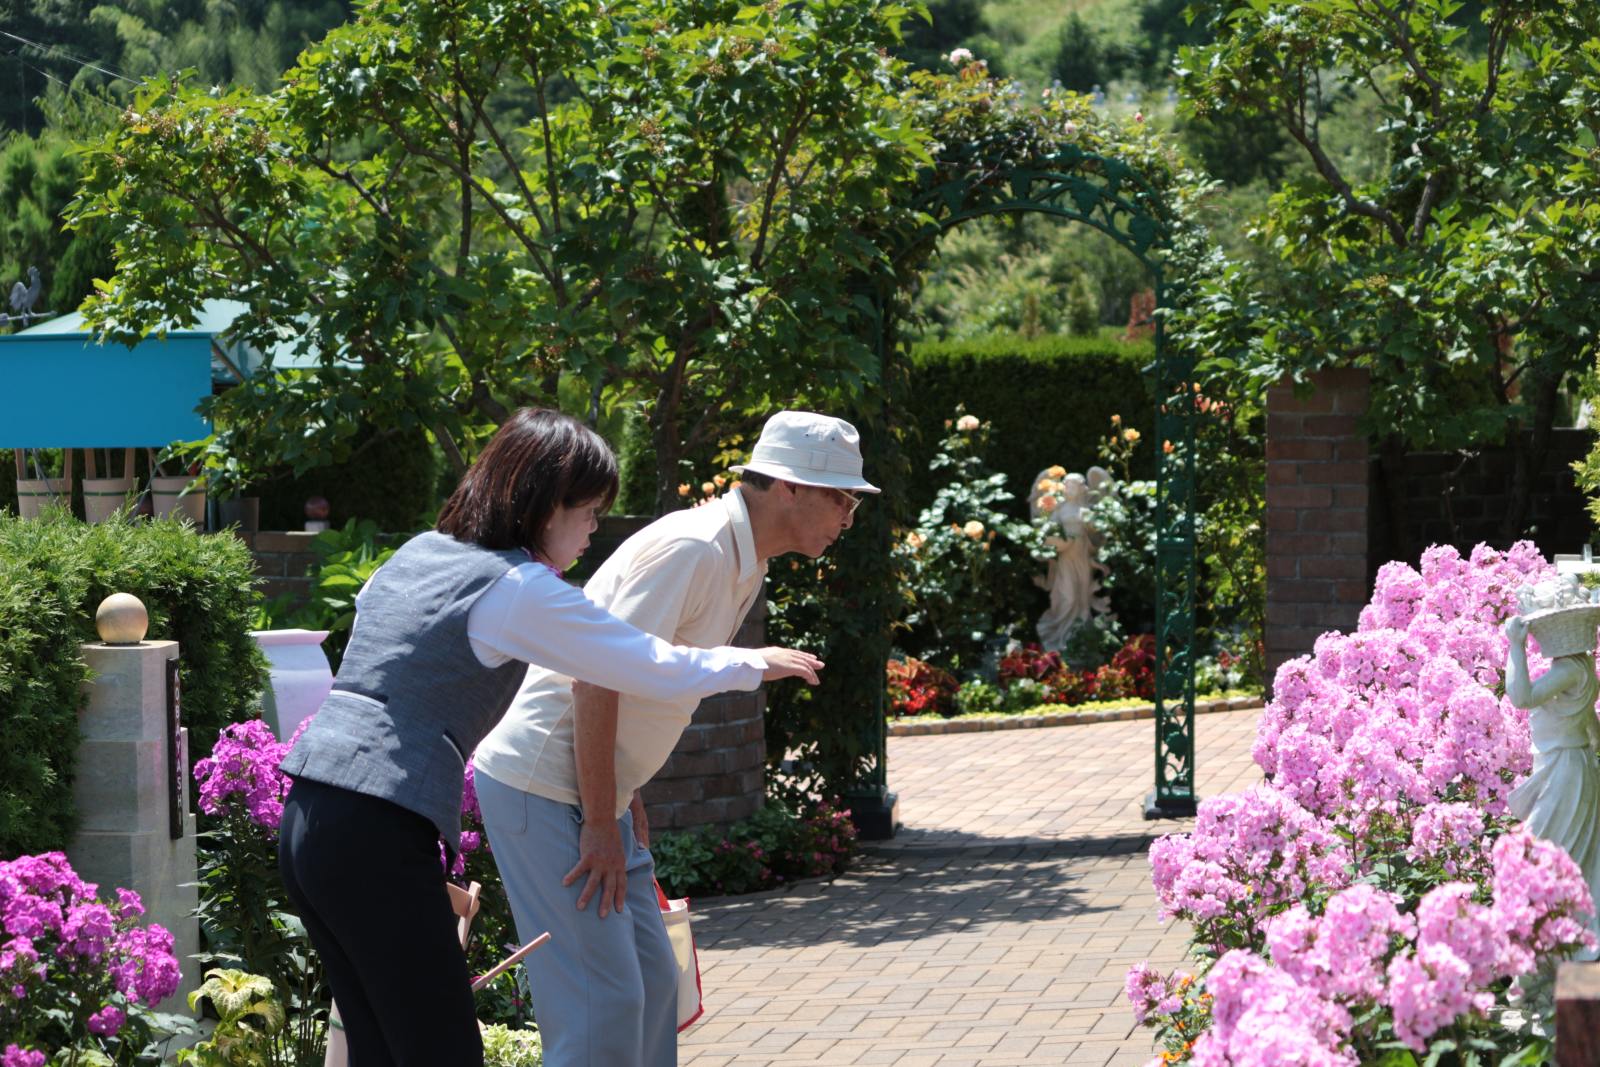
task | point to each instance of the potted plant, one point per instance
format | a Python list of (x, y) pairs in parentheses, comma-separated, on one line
[(34, 494), (180, 494), (104, 497)]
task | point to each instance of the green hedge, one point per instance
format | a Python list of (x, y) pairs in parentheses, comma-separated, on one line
[(1050, 401), (54, 571)]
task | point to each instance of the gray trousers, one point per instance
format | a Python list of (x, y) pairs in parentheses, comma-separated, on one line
[(605, 991)]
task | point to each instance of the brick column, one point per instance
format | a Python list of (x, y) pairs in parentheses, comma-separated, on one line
[(1317, 502), (283, 562), (716, 774)]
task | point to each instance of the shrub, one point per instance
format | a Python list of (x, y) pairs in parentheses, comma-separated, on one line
[(774, 846), (54, 571), (968, 563), (76, 972), (1045, 400), (920, 688)]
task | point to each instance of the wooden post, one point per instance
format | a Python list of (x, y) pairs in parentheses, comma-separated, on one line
[(1578, 1015)]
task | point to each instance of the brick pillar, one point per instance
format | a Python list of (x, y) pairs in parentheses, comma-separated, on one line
[(716, 774), (1317, 494), (283, 562)]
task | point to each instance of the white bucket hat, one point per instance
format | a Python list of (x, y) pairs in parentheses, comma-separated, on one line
[(809, 449)]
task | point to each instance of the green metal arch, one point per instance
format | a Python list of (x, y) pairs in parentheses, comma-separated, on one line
[(1111, 196)]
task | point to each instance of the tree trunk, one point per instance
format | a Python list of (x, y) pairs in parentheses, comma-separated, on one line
[(1392, 463), (1528, 456)]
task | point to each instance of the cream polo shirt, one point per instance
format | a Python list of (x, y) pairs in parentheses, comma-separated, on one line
[(689, 578)]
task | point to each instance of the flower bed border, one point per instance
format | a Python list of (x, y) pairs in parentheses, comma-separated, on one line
[(1035, 720)]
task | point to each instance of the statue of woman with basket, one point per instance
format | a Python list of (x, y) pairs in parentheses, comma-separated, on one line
[(1560, 800)]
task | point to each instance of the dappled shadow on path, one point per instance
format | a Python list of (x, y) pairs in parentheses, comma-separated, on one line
[(914, 892)]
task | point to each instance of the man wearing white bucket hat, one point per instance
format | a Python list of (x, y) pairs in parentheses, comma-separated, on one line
[(1560, 800), (558, 780)]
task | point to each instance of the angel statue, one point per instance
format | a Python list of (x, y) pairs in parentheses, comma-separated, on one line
[(1560, 800), (1074, 589)]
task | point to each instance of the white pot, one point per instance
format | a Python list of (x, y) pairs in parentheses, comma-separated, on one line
[(103, 496), (300, 677), (169, 497), (33, 494)]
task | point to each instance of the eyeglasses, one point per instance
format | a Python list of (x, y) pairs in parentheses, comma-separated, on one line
[(851, 500)]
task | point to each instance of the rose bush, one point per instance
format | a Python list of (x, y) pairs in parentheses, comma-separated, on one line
[(1372, 902)]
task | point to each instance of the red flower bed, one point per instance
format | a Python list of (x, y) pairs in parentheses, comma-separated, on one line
[(1131, 673), (919, 688)]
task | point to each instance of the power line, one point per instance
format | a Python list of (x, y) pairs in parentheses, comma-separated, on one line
[(68, 55)]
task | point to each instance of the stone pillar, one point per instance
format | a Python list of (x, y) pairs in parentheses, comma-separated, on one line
[(716, 775), (1317, 511), (124, 780)]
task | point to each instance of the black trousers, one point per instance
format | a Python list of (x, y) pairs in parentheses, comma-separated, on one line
[(365, 876)]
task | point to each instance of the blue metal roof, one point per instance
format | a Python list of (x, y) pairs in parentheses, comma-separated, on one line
[(62, 389)]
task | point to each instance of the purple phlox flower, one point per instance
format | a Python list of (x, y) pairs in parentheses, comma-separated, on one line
[(145, 969), (244, 765), (107, 1021), (1152, 993), (16, 1056)]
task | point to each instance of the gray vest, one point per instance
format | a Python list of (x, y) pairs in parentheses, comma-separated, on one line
[(411, 700)]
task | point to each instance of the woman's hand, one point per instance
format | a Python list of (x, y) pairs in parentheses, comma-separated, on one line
[(1517, 629), (790, 663)]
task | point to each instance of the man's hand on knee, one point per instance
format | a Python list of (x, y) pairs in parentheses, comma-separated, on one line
[(602, 858)]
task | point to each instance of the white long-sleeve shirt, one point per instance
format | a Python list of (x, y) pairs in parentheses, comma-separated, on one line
[(534, 615)]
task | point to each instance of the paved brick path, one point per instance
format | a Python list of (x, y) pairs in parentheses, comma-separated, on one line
[(995, 930)]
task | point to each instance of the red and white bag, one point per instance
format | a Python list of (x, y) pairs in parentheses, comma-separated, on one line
[(675, 916)]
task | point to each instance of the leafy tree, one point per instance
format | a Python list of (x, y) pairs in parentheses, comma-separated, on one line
[(463, 201), (1460, 273)]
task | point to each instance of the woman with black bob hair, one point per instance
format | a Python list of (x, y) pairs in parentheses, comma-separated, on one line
[(444, 632)]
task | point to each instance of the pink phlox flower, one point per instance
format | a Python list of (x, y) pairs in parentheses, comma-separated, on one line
[(1248, 852), (1396, 598), (1261, 1016), (16, 1056), (1342, 953), (1449, 916), (1152, 993), (1541, 900), (1428, 990), (1448, 832)]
